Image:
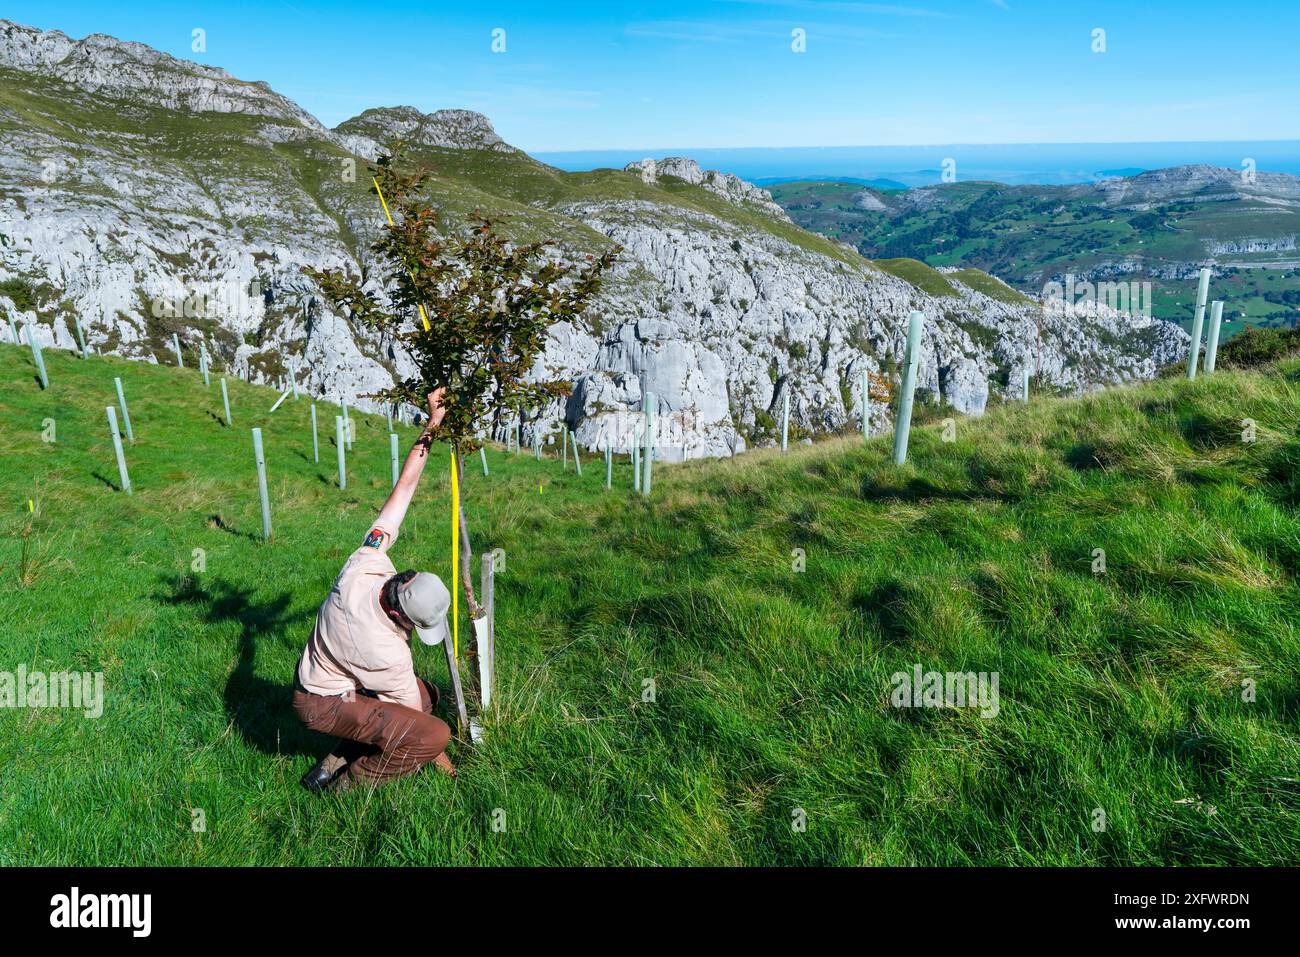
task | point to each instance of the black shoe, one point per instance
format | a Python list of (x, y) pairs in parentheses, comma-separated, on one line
[(319, 778)]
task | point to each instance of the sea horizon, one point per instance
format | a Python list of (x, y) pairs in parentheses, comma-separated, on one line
[(923, 165)]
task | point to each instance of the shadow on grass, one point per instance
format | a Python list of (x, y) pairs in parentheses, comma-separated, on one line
[(219, 523), (1083, 456), (1203, 432), (261, 710), (883, 605), (921, 489), (106, 480)]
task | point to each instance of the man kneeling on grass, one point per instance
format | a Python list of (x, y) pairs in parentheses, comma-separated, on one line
[(356, 679)]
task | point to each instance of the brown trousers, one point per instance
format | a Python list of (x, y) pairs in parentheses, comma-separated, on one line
[(381, 740)]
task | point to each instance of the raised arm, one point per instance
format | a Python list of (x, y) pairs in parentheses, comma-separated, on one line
[(394, 510)]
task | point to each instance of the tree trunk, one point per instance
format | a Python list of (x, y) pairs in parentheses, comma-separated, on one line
[(466, 555)]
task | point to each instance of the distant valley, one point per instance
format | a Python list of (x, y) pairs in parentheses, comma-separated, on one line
[(1160, 225)]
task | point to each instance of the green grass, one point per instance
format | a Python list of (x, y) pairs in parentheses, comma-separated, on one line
[(1257, 346), (923, 277), (992, 287), (302, 176), (521, 187), (1120, 691)]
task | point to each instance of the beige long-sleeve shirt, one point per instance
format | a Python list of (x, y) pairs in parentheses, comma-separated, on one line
[(354, 645)]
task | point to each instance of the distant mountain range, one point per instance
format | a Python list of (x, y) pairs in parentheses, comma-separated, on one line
[(1160, 225), (1021, 164), (882, 184), (148, 196)]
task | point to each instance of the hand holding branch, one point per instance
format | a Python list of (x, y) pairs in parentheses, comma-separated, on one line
[(436, 408)]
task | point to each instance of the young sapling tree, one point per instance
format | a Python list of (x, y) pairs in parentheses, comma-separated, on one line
[(470, 308)]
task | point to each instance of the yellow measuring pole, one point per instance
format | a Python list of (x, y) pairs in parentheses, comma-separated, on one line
[(423, 317), (455, 558)]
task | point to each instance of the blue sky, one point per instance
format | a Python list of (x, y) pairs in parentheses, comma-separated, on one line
[(634, 75)]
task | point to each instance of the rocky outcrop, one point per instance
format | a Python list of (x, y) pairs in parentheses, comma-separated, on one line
[(727, 185), (202, 230), (1206, 183), (1251, 245), (719, 321), (102, 65), (865, 199), (374, 130)]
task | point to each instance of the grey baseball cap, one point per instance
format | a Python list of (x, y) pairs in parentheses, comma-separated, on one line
[(425, 601)]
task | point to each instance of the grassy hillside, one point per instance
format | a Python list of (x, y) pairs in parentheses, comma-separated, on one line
[(516, 184), (1120, 691), (923, 277), (303, 174), (1026, 233), (292, 187)]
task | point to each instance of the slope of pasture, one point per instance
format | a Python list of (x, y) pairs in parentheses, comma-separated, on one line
[(1120, 692)]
